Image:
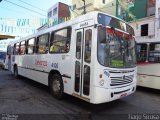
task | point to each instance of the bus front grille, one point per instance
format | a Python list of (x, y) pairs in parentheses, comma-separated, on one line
[(121, 77), (115, 81)]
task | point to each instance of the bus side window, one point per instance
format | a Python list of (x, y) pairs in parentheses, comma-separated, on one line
[(154, 52), (69, 32), (141, 52), (60, 41), (88, 43), (17, 48), (78, 45), (30, 46), (22, 48), (42, 44)]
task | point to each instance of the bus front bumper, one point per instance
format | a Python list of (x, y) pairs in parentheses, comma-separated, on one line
[(102, 95)]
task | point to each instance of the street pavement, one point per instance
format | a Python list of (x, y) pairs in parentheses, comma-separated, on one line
[(25, 99)]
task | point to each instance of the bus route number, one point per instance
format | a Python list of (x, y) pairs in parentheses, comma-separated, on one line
[(55, 65)]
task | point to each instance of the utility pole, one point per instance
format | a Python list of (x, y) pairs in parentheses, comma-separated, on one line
[(84, 1)]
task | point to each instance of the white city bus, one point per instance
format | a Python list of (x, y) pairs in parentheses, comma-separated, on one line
[(91, 57), (148, 59)]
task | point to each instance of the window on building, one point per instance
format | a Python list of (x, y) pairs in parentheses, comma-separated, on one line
[(141, 52), (119, 10), (42, 44), (144, 30), (151, 3), (30, 46), (154, 52), (55, 11), (74, 7), (22, 48), (60, 41), (50, 14), (103, 1)]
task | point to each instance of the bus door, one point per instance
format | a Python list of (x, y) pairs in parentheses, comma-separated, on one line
[(83, 62)]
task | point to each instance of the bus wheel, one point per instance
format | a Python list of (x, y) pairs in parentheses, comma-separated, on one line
[(15, 72), (56, 86)]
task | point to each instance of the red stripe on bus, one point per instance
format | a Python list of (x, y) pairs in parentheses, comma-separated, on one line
[(149, 75), (146, 63)]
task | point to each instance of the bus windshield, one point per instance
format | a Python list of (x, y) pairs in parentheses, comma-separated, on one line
[(115, 23), (115, 49)]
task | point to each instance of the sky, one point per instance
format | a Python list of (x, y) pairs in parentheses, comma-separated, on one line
[(8, 9)]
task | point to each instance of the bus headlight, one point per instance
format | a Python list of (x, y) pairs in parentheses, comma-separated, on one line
[(101, 82)]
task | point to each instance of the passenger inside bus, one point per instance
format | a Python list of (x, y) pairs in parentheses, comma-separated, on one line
[(42, 49), (55, 47), (58, 47)]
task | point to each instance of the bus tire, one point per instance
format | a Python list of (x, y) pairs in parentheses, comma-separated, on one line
[(56, 86), (15, 71)]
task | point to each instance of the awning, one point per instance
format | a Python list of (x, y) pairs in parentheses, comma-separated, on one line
[(3, 36)]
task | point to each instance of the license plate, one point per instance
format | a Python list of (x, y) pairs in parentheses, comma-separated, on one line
[(123, 95)]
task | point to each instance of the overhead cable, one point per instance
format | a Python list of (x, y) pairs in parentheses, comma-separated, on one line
[(25, 8), (18, 12), (33, 6)]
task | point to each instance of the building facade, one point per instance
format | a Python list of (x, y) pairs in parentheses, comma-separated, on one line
[(58, 13), (127, 10), (107, 6), (147, 29), (143, 15)]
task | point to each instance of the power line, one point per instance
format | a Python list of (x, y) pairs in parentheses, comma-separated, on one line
[(25, 8), (18, 12), (32, 6)]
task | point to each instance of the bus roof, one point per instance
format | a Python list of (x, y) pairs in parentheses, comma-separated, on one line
[(85, 17)]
